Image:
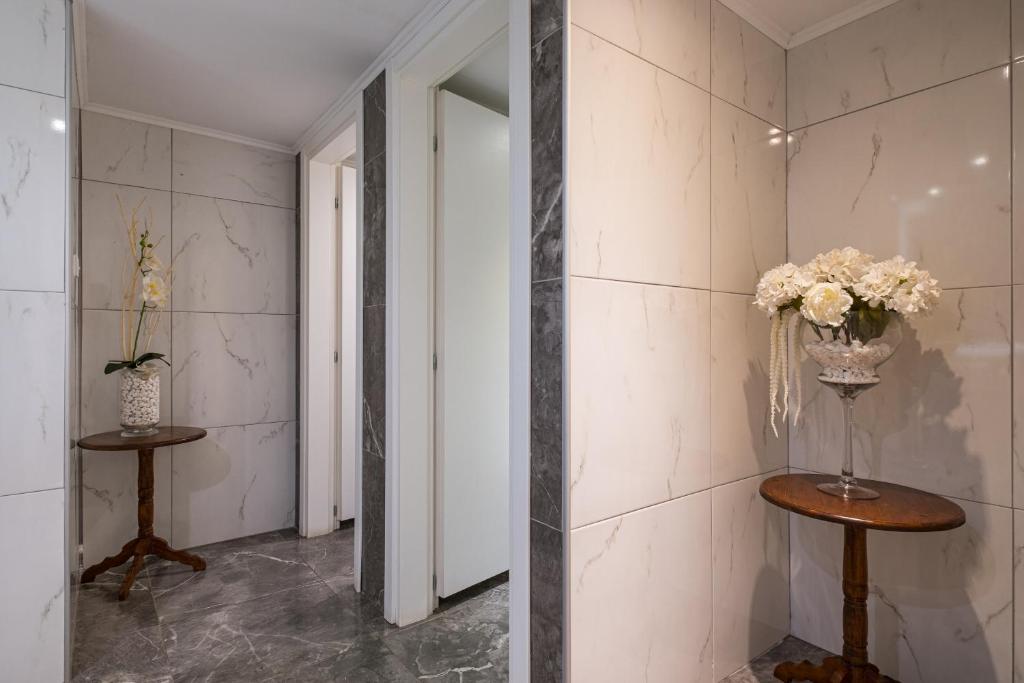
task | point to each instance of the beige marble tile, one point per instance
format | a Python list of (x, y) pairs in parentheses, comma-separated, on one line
[(32, 33), (940, 604), (748, 198), (638, 396), (238, 481), (900, 49), (233, 369), (940, 419), (1017, 28), (639, 176), (105, 240), (32, 631), (742, 441), (33, 334), (672, 34), (117, 150), (750, 570), (636, 613), (925, 176), (748, 68), (233, 257), (1018, 605), (1018, 398), (33, 182), (228, 170), (1018, 169)]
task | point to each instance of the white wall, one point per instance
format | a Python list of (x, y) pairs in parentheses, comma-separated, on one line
[(33, 339), (678, 570), (226, 215), (865, 155)]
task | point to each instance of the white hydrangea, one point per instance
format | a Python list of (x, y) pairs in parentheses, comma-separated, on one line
[(826, 303), (780, 286), (879, 281), (917, 293), (843, 266)]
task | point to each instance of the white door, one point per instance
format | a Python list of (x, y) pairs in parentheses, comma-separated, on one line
[(472, 385)]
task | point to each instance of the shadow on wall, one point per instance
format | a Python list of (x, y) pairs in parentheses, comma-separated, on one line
[(924, 625)]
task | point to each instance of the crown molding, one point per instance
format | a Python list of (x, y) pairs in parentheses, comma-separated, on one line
[(845, 17), (185, 127), (753, 12), (330, 121)]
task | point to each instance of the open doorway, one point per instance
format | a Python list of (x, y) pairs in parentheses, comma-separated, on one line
[(471, 326)]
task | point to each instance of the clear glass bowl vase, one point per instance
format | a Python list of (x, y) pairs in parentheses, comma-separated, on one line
[(850, 355), (140, 401)]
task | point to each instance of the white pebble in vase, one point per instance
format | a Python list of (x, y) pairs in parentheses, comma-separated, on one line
[(140, 401)]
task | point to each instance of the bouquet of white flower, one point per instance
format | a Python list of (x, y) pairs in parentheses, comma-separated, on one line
[(848, 300)]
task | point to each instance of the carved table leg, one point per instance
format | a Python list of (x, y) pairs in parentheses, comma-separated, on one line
[(853, 666), (146, 543)]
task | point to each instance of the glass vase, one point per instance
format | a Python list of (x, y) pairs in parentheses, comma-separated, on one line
[(140, 401), (850, 355)]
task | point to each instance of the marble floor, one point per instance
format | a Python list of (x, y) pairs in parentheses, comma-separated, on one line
[(789, 650), (277, 607)]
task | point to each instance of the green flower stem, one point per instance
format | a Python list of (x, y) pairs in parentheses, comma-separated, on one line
[(138, 329)]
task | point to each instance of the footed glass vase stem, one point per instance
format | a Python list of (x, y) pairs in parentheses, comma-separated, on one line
[(846, 479), (847, 486)]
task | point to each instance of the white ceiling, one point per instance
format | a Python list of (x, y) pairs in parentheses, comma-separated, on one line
[(484, 79), (791, 22), (262, 69)]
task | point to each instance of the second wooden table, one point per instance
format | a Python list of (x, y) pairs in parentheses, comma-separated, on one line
[(898, 508)]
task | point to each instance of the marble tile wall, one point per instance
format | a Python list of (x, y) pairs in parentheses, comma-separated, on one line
[(35, 328), (374, 333), (547, 350), (900, 141), (670, 227), (224, 215)]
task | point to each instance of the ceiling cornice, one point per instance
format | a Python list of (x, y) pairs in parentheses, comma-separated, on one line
[(754, 13)]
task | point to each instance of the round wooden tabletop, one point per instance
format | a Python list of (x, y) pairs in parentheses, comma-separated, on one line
[(165, 436), (899, 508)]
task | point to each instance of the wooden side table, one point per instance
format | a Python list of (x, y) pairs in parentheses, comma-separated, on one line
[(146, 543), (899, 508)]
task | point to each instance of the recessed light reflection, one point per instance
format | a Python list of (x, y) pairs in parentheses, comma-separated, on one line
[(58, 125), (935, 191), (980, 161), (789, 138), (775, 140), (774, 131)]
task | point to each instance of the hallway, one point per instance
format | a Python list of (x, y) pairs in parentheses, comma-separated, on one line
[(276, 607)]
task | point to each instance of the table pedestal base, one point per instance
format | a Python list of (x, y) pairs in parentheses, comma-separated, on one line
[(853, 666), (832, 670), (147, 543)]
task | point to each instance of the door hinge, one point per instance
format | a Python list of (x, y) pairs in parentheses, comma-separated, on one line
[(335, 510), (435, 143), (335, 356), (435, 362), (435, 582), (336, 203)]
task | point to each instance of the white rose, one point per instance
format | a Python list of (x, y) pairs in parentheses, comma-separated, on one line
[(825, 304), (844, 266), (780, 286)]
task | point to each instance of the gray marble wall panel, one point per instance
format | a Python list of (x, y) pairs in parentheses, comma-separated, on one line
[(374, 317), (547, 330), (229, 228)]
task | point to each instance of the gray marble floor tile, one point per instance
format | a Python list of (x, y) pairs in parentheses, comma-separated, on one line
[(789, 650), (232, 576), (468, 643)]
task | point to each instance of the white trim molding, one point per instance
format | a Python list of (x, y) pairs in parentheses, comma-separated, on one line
[(185, 127), (755, 14)]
